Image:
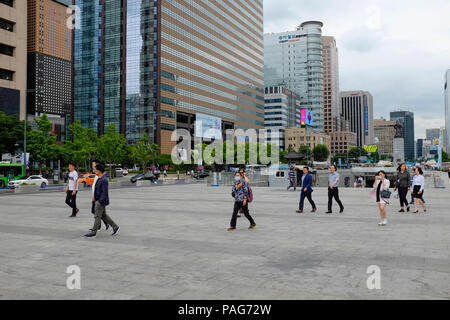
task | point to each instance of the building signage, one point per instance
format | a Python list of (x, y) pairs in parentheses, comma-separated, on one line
[(306, 118), (371, 148)]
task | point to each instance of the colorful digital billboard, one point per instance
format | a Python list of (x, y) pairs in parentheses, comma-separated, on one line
[(306, 118)]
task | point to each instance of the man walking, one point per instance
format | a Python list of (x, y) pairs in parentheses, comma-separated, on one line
[(333, 190), (94, 164), (72, 189), (101, 199), (306, 191)]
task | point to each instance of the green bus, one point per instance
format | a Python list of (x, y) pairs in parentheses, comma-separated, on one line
[(9, 172)]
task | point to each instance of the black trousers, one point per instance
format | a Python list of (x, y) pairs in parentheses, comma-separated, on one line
[(334, 193), (402, 194), (307, 195), (237, 207), (71, 201)]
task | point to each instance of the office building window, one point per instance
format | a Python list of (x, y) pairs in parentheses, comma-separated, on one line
[(6, 74), (6, 50), (8, 2), (6, 25)]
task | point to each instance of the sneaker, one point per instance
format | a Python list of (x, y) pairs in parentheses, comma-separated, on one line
[(115, 230), (253, 226), (342, 210), (402, 210), (329, 212), (299, 211), (72, 216), (314, 210), (384, 223), (231, 229), (91, 235)]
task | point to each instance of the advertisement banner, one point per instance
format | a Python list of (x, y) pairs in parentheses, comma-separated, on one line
[(208, 127), (306, 118)]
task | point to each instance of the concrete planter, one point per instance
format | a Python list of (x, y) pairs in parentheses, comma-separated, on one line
[(27, 189), (144, 183)]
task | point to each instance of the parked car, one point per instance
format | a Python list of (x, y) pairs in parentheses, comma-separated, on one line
[(121, 172), (86, 179), (147, 176), (36, 180), (201, 175)]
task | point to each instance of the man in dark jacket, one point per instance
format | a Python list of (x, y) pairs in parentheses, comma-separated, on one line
[(101, 198), (306, 191)]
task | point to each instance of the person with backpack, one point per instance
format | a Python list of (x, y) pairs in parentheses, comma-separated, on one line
[(243, 172), (240, 192)]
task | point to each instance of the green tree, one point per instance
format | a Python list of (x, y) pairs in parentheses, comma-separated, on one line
[(11, 132), (144, 151), (41, 144), (305, 150), (356, 152), (82, 145), (445, 157), (321, 152), (111, 147)]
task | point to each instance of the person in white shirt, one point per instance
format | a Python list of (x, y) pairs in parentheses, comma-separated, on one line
[(380, 186), (72, 190), (418, 189)]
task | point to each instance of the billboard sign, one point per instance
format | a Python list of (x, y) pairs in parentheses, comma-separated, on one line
[(208, 127), (371, 148), (306, 118)]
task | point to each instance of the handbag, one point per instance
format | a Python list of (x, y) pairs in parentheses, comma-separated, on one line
[(250, 195), (385, 194)]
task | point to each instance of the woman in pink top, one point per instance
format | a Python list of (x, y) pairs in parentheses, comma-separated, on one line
[(381, 184)]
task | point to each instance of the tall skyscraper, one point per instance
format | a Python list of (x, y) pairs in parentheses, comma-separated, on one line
[(13, 57), (155, 66), (356, 107), (294, 59), (433, 134), (407, 119), (282, 111), (447, 108), (330, 84), (49, 75)]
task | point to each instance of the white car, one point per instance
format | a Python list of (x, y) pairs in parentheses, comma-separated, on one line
[(36, 180), (121, 171)]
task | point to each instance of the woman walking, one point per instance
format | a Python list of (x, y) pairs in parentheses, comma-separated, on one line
[(380, 194), (402, 184), (418, 189), (240, 194)]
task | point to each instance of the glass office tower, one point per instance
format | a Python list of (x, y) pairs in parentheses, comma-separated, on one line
[(159, 64)]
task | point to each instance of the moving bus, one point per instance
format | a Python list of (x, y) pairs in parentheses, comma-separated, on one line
[(10, 172)]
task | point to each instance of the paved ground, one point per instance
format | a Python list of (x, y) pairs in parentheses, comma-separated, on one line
[(173, 245)]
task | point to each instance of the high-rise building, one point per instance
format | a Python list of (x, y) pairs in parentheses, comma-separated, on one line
[(419, 149), (407, 119), (282, 110), (447, 109), (13, 57), (433, 134), (294, 58), (155, 66), (49, 75), (385, 132), (356, 107), (330, 84)]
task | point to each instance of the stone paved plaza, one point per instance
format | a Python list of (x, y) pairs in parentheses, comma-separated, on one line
[(173, 244)]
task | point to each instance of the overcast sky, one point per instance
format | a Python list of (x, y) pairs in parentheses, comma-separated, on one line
[(398, 50)]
